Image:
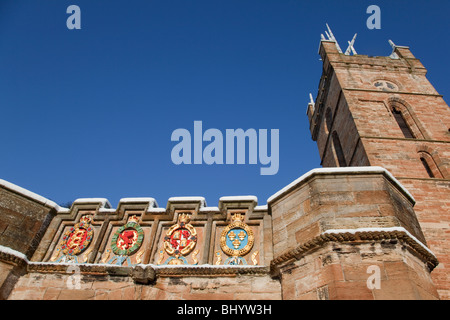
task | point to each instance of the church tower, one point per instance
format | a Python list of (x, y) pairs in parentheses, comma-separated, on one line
[(382, 111)]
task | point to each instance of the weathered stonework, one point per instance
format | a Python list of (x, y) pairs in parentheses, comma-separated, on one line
[(338, 271), (383, 111), (325, 221), (319, 238)]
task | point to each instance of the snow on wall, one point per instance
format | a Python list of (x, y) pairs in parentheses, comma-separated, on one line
[(348, 170)]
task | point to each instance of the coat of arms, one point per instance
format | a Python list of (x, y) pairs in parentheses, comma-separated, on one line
[(126, 241), (179, 241), (236, 240), (75, 241)]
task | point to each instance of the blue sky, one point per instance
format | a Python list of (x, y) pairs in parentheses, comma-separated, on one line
[(90, 112)]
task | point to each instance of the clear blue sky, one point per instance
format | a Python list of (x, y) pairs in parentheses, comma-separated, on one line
[(90, 112)]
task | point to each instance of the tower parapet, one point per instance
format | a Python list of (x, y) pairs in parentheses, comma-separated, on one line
[(383, 111), (379, 205)]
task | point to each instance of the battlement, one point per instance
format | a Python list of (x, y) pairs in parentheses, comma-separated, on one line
[(383, 111), (143, 246), (316, 238)]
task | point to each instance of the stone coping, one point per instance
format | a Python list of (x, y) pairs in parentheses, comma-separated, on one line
[(356, 236), (160, 270), (341, 171), (103, 206), (141, 272)]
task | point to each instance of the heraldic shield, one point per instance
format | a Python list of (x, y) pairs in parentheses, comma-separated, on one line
[(236, 241), (74, 242), (125, 242), (179, 241)]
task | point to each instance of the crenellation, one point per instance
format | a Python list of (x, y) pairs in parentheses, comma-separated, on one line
[(400, 122), (371, 213)]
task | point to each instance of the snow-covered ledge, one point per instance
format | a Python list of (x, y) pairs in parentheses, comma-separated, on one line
[(340, 171), (105, 206), (135, 271), (12, 255), (30, 195), (358, 235)]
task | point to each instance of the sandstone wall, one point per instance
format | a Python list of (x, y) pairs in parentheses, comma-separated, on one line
[(122, 284), (366, 95), (331, 227), (316, 239)]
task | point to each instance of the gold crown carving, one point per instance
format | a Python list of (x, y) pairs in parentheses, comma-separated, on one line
[(237, 217), (86, 219), (134, 219), (184, 217)]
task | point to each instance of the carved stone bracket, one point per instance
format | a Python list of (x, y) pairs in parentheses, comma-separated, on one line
[(388, 234)]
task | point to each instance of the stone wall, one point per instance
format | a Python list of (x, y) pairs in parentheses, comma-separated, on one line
[(24, 218), (156, 225), (365, 96), (432, 210), (121, 283), (315, 239), (329, 227), (340, 271)]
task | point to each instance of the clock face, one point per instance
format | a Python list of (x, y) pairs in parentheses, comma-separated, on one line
[(384, 85)]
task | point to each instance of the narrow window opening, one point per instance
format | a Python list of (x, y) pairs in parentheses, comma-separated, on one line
[(339, 152), (427, 167), (402, 123)]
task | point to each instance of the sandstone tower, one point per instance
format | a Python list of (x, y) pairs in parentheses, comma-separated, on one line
[(382, 111), (360, 228)]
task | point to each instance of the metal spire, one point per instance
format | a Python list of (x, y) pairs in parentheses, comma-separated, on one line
[(311, 102), (331, 37), (392, 44), (311, 99), (393, 55), (350, 46)]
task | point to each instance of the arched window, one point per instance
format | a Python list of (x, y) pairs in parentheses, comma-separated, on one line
[(406, 119), (398, 116), (430, 165), (338, 148), (427, 167)]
